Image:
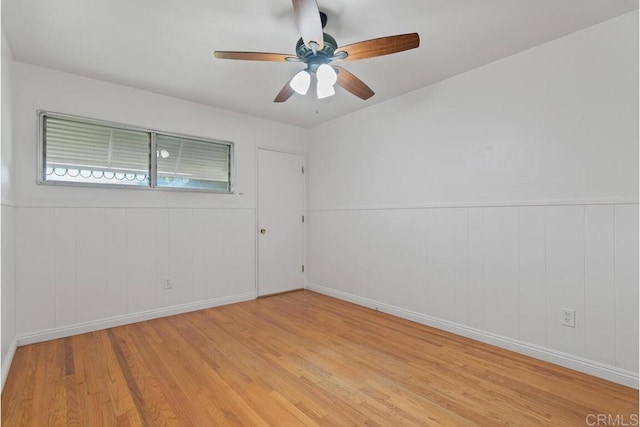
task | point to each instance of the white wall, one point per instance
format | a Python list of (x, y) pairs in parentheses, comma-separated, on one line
[(7, 234), (488, 201), (7, 122), (86, 255), (554, 123)]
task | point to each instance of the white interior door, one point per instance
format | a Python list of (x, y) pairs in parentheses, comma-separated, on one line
[(280, 210)]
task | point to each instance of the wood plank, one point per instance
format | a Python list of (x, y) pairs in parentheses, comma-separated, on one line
[(66, 265), (500, 271), (91, 269), (141, 232), (440, 263), (35, 246), (461, 264), (180, 255), (600, 289), (626, 285), (294, 359), (531, 274), (565, 251), (476, 281), (116, 261)]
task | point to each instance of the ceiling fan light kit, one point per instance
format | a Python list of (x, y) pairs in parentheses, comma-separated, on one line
[(326, 77), (318, 50), (301, 82)]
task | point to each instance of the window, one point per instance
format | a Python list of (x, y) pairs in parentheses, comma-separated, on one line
[(189, 163), (82, 151)]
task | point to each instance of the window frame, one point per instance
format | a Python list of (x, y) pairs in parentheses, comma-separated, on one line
[(153, 161)]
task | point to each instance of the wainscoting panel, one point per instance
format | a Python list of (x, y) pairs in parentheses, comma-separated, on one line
[(531, 274), (65, 240), (476, 270), (500, 267), (599, 284), (440, 262), (200, 254), (116, 262), (142, 250), (461, 263), (177, 258), (626, 281), (565, 277), (36, 300), (507, 271), (78, 266), (91, 264)]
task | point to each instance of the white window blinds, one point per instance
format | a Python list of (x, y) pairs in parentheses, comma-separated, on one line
[(190, 163), (91, 152), (84, 152)]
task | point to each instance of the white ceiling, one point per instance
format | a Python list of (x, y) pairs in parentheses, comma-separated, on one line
[(166, 46)]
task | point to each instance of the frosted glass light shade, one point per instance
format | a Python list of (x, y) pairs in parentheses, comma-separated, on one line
[(327, 75), (301, 82), (324, 90), (326, 79)]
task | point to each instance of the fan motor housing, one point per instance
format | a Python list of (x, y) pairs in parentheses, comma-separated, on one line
[(322, 56)]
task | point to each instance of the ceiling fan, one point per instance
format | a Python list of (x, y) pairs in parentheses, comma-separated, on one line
[(318, 50)]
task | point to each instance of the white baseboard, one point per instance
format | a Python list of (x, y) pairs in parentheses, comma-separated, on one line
[(8, 359), (600, 370), (81, 328)]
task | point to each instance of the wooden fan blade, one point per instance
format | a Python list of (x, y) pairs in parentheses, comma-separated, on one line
[(308, 20), (252, 56), (353, 84), (381, 46), (285, 93)]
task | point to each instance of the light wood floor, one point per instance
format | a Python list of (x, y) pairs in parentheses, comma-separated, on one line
[(294, 359)]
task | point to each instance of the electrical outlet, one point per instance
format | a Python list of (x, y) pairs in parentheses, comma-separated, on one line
[(167, 284), (568, 317)]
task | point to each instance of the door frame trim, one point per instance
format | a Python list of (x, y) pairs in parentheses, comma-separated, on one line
[(303, 155)]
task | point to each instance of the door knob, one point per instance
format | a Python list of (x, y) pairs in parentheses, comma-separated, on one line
[(263, 231)]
